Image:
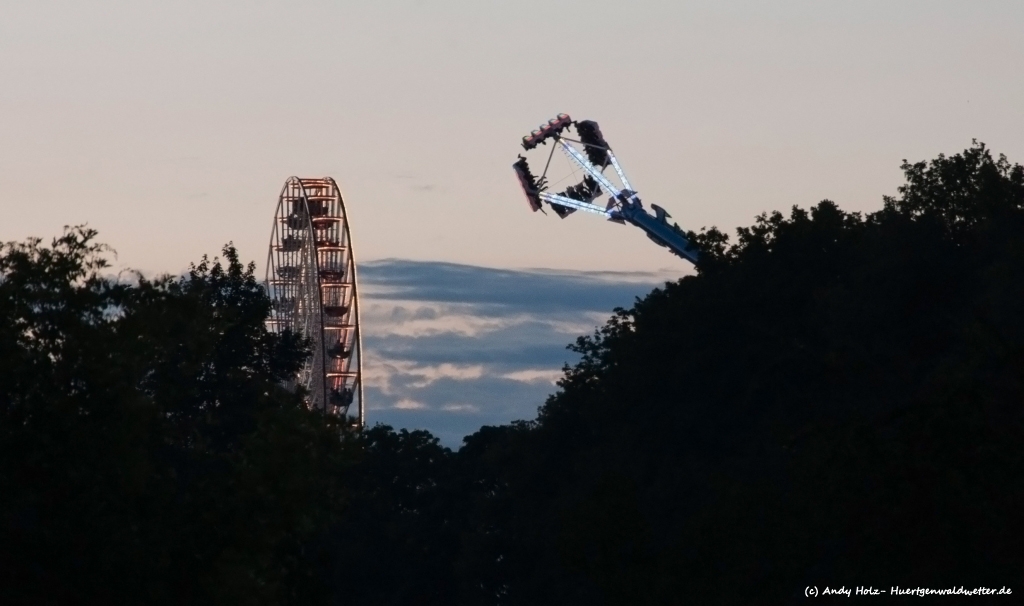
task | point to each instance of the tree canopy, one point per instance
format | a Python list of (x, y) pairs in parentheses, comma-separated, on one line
[(148, 453), (834, 398)]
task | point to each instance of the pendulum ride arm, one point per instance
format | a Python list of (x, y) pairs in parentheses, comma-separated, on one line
[(625, 206)]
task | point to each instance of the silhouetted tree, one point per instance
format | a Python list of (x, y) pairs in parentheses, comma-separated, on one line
[(399, 538), (147, 451), (835, 398)]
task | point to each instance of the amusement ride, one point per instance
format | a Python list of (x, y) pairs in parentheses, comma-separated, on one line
[(311, 270), (589, 153), (311, 281)]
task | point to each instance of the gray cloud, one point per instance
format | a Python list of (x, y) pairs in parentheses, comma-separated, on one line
[(528, 341), (498, 290), (450, 348)]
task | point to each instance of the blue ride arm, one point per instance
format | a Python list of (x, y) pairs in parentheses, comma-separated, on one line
[(658, 230)]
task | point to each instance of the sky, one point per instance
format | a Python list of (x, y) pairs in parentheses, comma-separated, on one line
[(171, 127), (452, 347)]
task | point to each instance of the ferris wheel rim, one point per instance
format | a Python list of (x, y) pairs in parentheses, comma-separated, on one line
[(355, 298)]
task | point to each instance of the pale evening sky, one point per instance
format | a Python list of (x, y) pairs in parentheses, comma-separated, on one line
[(171, 126)]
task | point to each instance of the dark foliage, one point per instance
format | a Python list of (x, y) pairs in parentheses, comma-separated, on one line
[(835, 399), (147, 453), (400, 534)]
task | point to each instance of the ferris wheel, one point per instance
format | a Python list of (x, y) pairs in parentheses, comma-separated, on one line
[(311, 281), (589, 158)]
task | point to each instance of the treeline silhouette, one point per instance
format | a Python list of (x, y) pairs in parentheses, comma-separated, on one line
[(834, 399)]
